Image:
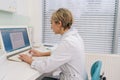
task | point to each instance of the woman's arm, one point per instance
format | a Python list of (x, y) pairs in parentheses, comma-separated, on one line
[(38, 53)]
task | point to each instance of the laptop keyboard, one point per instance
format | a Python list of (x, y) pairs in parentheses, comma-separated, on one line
[(16, 57)]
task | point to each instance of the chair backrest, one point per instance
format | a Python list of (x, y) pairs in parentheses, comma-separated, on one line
[(95, 70)]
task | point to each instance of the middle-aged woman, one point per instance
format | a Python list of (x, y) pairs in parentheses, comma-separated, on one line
[(69, 55)]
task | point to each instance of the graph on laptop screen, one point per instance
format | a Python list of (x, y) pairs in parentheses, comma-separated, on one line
[(14, 38)]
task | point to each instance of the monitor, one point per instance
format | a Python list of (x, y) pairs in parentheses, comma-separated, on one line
[(14, 39)]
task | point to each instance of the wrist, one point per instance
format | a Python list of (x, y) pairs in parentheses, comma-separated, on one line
[(30, 61), (46, 54)]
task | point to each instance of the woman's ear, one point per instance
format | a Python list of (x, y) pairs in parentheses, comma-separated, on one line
[(60, 23)]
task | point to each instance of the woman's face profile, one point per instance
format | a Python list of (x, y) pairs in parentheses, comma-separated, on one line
[(56, 27)]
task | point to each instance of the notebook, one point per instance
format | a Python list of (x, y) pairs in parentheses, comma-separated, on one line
[(14, 41)]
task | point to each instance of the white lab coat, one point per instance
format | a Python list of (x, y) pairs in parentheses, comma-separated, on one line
[(68, 56)]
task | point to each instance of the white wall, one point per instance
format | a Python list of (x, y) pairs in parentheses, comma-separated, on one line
[(22, 7), (35, 14), (31, 9)]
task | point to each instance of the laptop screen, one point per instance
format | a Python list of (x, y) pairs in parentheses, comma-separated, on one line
[(14, 38)]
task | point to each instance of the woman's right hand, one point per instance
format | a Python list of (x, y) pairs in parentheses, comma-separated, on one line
[(35, 53)]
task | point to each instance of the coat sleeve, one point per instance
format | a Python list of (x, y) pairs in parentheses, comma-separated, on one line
[(59, 57)]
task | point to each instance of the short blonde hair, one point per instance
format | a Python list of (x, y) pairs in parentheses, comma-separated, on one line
[(63, 15)]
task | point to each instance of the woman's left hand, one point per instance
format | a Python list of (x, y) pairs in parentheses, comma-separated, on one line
[(26, 58)]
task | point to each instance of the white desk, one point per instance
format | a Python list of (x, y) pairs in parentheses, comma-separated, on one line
[(10, 70)]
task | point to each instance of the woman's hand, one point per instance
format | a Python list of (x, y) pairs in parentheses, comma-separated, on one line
[(26, 58), (35, 53)]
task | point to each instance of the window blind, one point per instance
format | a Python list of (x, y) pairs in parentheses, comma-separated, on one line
[(94, 20), (119, 40)]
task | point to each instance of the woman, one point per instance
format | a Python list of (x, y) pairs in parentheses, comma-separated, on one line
[(68, 56)]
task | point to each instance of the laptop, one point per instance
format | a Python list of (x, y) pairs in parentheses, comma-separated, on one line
[(14, 40)]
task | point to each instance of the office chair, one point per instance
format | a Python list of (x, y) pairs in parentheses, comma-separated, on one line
[(95, 70)]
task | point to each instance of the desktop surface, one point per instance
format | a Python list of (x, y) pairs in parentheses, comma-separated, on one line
[(11, 70)]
